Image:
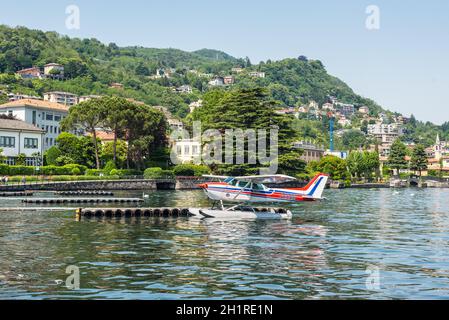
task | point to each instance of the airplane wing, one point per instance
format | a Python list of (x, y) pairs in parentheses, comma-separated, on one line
[(214, 176), (268, 178)]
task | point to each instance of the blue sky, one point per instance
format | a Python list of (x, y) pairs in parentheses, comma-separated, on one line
[(404, 65)]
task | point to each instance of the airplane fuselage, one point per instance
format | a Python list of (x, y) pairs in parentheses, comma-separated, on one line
[(225, 191)]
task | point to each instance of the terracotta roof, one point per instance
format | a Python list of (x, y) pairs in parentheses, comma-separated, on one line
[(35, 103), (105, 136), (17, 125)]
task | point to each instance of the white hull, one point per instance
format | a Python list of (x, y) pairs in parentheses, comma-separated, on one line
[(238, 214)]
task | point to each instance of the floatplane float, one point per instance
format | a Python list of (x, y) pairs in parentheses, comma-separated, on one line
[(252, 189)]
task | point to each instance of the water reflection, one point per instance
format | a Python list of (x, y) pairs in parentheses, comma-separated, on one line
[(323, 252)]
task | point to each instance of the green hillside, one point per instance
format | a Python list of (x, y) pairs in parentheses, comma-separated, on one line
[(91, 66)]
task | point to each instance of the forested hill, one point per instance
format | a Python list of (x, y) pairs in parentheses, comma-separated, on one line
[(91, 66)]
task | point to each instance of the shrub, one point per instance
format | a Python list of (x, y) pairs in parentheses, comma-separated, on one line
[(51, 155), (110, 165), (157, 173), (20, 170), (64, 160), (93, 172), (190, 170), (4, 169), (76, 171)]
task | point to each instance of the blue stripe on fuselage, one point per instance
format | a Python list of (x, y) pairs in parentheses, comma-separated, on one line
[(315, 187)]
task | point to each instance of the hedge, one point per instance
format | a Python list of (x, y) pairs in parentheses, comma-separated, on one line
[(190, 170), (69, 169), (157, 173)]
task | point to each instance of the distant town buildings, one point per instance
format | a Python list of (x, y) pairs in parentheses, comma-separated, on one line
[(45, 115), (116, 85), (228, 80), (218, 81), (237, 69), (345, 109), (385, 133), (257, 74), (66, 98), (54, 71), (30, 73), (18, 96), (87, 98), (364, 110), (195, 104), (184, 89)]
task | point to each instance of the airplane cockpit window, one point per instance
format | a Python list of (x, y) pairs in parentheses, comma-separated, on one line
[(258, 186), (228, 180), (243, 184)]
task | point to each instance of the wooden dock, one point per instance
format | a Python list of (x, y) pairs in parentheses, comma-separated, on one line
[(132, 212), (82, 200), (84, 193), (16, 194)]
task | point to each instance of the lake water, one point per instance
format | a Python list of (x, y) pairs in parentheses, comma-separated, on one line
[(374, 244)]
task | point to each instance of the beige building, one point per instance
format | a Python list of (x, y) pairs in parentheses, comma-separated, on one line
[(312, 152), (229, 80), (66, 98), (54, 70), (30, 73)]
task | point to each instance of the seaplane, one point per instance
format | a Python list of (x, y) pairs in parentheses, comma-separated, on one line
[(245, 190)]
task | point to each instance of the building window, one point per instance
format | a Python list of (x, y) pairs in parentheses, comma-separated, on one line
[(49, 117), (7, 142), (186, 150), (57, 118), (10, 113), (194, 150), (31, 143), (10, 161), (34, 117), (178, 150)]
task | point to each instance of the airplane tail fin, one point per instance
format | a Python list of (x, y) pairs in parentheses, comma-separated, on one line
[(315, 190)]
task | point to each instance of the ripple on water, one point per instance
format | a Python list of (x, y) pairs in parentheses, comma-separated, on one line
[(322, 253)]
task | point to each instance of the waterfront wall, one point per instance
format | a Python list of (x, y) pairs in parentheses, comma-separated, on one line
[(134, 184)]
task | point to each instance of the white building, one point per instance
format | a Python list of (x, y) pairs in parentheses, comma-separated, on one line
[(18, 137), (218, 81), (385, 133), (187, 150), (19, 96), (87, 98), (43, 114), (67, 98), (54, 70), (257, 74), (175, 124), (195, 104), (184, 89)]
